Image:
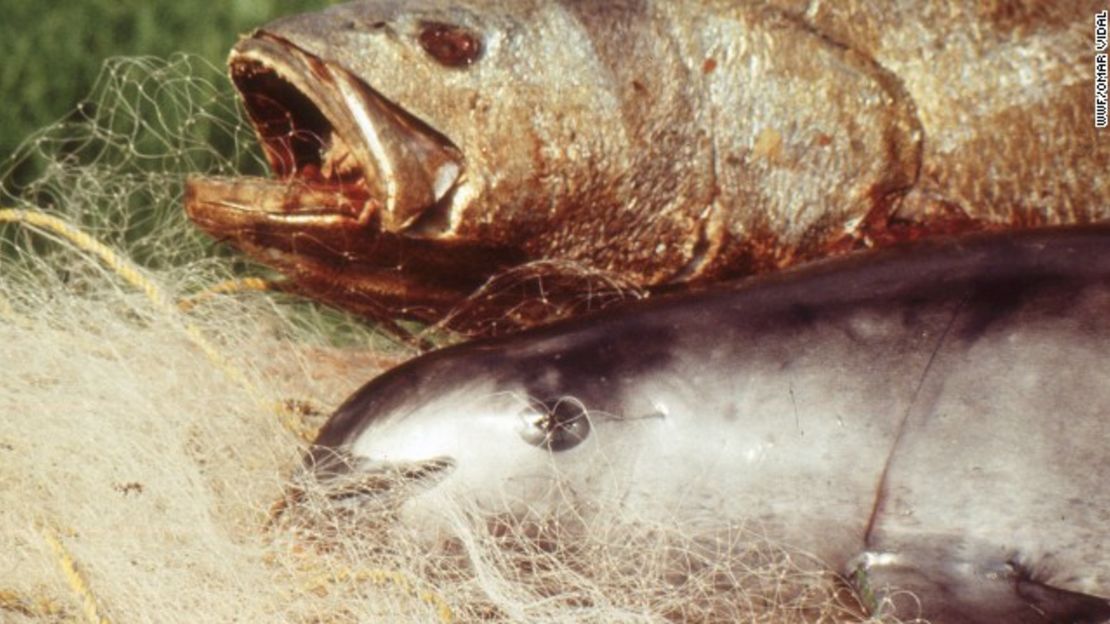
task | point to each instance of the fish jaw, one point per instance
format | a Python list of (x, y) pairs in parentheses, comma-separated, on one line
[(323, 128), (353, 175), (335, 254)]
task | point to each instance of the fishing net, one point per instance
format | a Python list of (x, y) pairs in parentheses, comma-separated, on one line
[(157, 398)]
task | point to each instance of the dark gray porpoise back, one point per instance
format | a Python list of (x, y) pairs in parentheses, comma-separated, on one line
[(984, 488)]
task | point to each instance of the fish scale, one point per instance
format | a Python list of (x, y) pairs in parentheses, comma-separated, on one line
[(570, 147)]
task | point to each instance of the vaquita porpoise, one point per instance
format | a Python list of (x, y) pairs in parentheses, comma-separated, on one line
[(421, 148), (933, 417)]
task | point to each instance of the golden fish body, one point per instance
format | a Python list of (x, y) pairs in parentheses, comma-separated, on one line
[(423, 148)]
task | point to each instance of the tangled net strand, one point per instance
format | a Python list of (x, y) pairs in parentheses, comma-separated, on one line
[(142, 450)]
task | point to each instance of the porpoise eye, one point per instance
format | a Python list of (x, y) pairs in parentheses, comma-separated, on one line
[(453, 46), (555, 427)]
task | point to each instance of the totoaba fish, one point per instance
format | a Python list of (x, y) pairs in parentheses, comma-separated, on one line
[(421, 148), (930, 417)]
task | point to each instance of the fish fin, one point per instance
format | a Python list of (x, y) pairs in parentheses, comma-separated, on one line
[(936, 585)]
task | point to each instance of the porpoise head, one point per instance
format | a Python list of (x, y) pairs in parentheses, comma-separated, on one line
[(525, 427), (475, 442)]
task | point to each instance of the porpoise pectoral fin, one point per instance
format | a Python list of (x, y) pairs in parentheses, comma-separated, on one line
[(942, 585)]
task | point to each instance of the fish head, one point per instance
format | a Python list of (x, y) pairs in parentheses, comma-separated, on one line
[(423, 110), (415, 147)]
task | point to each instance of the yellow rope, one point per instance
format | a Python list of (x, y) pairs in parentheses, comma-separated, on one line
[(12, 601), (74, 577), (41, 607), (161, 302), (246, 284), (130, 274)]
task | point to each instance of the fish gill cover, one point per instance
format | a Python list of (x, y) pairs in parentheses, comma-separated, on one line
[(150, 424)]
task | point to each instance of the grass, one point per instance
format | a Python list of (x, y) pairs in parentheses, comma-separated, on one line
[(53, 51), (134, 128)]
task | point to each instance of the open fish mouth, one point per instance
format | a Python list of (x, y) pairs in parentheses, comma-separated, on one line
[(337, 148)]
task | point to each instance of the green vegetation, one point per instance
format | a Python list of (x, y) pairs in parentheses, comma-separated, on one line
[(132, 129), (53, 51), (103, 196)]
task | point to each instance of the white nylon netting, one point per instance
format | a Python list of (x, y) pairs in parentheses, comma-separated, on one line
[(141, 450)]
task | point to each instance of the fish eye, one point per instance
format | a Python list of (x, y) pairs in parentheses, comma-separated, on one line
[(450, 45), (557, 427)]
